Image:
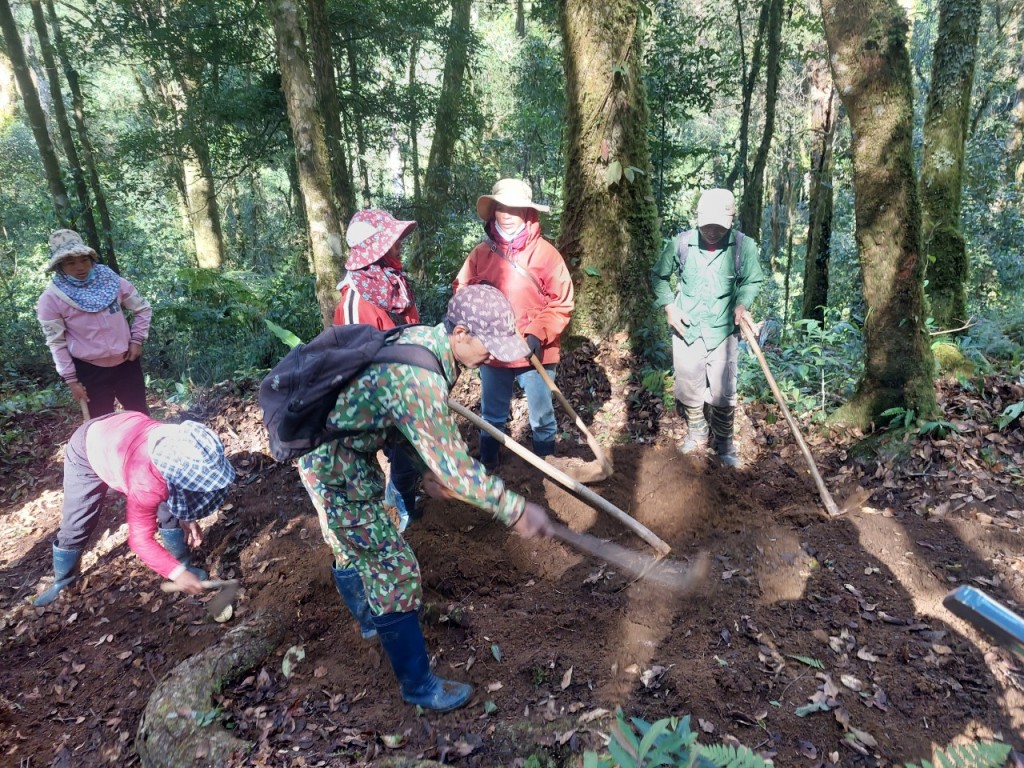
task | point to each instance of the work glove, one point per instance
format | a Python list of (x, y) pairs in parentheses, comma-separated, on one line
[(534, 344)]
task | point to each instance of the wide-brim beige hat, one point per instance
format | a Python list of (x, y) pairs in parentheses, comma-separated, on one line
[(513, 193), (65, 243)]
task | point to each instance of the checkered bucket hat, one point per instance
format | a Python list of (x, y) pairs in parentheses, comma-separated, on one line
[(191, 459)]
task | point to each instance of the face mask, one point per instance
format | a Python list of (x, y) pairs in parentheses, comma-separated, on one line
[(79, 283)]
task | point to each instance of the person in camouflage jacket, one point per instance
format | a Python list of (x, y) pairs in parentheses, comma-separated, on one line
[(390, 401)]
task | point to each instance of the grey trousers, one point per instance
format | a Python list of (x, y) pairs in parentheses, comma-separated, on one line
[(703, 376)]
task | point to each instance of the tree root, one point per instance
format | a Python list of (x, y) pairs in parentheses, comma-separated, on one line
[(178, 726)]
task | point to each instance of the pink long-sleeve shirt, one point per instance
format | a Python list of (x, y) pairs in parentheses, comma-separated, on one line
[(100, 338), (119, 449)]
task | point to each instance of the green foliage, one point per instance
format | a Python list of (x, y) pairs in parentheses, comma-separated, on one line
[(815, 368), (1009, 415), (666, 742), (974, 755)]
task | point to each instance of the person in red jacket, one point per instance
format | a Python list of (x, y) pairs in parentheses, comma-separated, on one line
[(531, 273), (172, 476), (376, 291)]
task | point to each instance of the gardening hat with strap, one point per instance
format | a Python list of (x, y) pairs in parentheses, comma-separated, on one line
[(370, 235)]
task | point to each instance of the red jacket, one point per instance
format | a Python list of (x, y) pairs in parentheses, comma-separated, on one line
[(353, 309), (533, 276)]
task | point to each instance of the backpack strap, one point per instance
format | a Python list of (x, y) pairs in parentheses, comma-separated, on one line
[(683, 250), (410, 354)]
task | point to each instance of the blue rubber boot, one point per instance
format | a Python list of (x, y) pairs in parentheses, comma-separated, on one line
[(402, 639), (350, 586), (173, 540), (65, 571)]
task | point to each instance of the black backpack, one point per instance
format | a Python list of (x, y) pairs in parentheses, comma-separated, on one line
[(299, 393), (683, 250)]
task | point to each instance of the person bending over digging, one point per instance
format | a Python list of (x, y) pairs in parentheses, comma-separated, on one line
[(376, 571), (172, 476)]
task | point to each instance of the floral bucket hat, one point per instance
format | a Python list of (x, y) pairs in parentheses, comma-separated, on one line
[(370, 235)]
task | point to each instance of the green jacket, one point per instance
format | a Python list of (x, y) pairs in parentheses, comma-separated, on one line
[(709, 289)]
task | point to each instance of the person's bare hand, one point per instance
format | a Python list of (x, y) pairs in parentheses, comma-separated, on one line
[(676, 320), (533, 522), (193, 533), (741, 314), (134, 351), (435, 489), (189, 582), (78, 391)]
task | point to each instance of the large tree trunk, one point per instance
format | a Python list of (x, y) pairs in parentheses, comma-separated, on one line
[(447, 125), (753, 188), (88, 155), (86, 220), (36, 115), (325, 231), (871, 66), (609, 222), (942, 168), (203, 207), (819, 230), (173, 730), (329, 106)]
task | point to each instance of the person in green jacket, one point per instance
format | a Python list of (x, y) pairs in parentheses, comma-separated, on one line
[(717, 275)]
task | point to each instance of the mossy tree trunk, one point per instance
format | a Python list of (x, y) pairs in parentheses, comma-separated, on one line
[(942, 168), (824, 119), (324, 229), (871, 66), (1015, 142), (609, 234), (329, 106)]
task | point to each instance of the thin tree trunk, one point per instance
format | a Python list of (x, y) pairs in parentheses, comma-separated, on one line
[(88, 155), (36, 115), (87, 221), (609, 222), (871, 67), (739, 169), (325, 231), (942, 166), (520, 19), (329, 106), (354, 86), (203, 207), (753, 188), (447, 124), (414, 122), (819, 231)]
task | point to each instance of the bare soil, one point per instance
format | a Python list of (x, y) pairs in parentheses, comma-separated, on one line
[(554, 640)]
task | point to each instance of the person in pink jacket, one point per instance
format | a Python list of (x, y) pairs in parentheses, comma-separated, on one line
[(172, 476), (94, 347), (516, 260)]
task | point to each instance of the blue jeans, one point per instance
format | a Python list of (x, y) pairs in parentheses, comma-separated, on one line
[(496, 398)]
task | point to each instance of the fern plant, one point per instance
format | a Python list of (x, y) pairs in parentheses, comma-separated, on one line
[(669, 741), (974, 755)]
